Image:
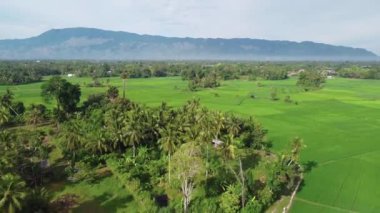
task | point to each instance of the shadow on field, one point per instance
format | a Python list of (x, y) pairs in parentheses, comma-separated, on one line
[(309, 165), (302, 184), (104, 203)]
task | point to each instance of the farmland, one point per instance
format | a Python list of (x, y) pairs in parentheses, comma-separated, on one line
[(339, 125)]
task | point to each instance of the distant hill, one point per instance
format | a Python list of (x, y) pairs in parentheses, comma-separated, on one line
[(89, 43)]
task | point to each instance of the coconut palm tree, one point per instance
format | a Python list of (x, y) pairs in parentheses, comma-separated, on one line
[(114, 122), (12, 193), (133, 137), (6, 100), (233, 127), (168, 143), (36, 114), (228, 148), (71, 137), (297, 146), (132, 130), (98, 142), (124, 76), (4, 115), (218, 123), (207, 134)]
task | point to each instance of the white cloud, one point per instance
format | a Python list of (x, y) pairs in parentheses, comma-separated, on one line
[(341, 22)]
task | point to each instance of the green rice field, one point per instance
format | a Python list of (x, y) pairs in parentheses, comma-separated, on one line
[(340, 125)]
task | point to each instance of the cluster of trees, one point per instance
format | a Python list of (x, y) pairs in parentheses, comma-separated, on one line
[(65, 95), (183, 159), (24, 165), (269, 72), (362, 72), (201, 78), (173, 158), (18, 73), (309, 80), (23, 156), (209, 75), (22, 171), (15, 113)]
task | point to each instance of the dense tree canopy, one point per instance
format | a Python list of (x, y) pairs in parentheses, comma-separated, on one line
[(66, 95), (193, 157), (311, 80)]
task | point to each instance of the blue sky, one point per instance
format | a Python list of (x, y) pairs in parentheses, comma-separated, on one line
[(340, 22)]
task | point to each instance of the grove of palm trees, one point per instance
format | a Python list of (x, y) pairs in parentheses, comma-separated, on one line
[(186, 158)]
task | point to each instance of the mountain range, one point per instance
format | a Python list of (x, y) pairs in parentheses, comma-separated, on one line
[(97, 44)]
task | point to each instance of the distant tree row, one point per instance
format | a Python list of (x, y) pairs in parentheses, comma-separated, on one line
[(362, 72), (21, 72), (269, 72), (18, 73)]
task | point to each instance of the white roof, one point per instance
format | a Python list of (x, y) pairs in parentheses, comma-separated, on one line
[(217, 141)]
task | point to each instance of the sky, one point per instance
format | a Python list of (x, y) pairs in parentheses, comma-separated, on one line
[(340, 22)]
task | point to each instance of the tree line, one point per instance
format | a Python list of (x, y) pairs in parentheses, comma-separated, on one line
[(200, 74)]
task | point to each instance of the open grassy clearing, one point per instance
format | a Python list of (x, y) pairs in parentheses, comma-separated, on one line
[(102, 196), (339, 124)]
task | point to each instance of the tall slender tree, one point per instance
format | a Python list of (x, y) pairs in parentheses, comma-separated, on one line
[(297, 146), (188, 170), (168, 143), (124, 76)]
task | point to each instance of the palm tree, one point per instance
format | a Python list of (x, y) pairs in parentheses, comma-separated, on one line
[(208, 132), (297, 146), (124, 76), (97, 143), (114, 122), (133, 136), (133, 133), (34, 115), (233, 127), (6, 100), (218, 123), (168, 143), (12, 193), (4, 115), (164, 115), (228, 148), (71, 138), (112, 93)]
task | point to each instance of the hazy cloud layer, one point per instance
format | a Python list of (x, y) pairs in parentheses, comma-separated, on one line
[(341, 22)]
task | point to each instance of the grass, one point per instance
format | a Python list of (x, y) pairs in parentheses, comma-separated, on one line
[(339, 124), (103, 196)]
